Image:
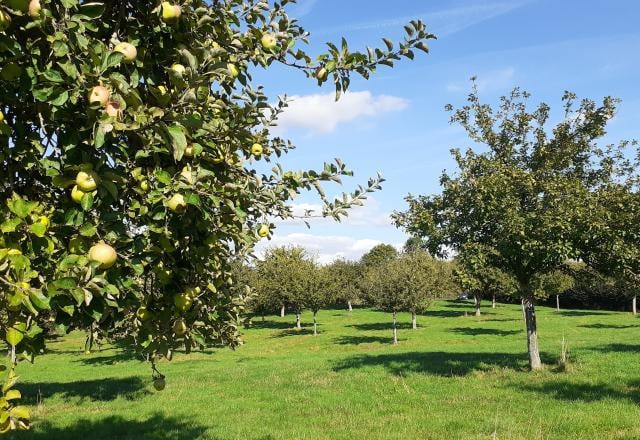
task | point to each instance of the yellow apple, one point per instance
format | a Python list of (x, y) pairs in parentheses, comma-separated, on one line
[(5, 21), (192, 292), (113, 109), (143, 314), (144, 185), (100, 95), (188, 152), (103, 254), (177, 70), (170, 12), (87, 181), (128, 50), (264, 231), (321, 73), (256, 150), (182, 302), (34, 8), (269, 41), (176, 203), (76, 194), (1, 117), (180, 327), (233, 70)]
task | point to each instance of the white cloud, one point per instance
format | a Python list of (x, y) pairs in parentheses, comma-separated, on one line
[(321, 114), (371, 214), (302, 8), (496, 80), (325, 248)]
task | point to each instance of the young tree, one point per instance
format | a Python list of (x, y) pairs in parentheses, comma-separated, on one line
[(554, 283), (317, 295), (529, 196), (378, 255), (130, 134), (344, 282), (476, 273)]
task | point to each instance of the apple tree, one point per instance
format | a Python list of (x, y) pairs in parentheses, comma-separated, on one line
[(131, 139), (344, 282), (530, 195)]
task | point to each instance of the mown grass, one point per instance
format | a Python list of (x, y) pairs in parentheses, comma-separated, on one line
[(455, 377)]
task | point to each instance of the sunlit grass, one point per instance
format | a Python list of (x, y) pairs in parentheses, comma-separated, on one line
[(455, 377)]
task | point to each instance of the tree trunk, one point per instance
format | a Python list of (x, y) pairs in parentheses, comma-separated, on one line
[(532, 333), (634, 305), (395, 330), (298, 326), (349, 307), (414, 321), (493, 302), (557, 303), (524, 316), (315, 323), (282, 311), (477, 298)]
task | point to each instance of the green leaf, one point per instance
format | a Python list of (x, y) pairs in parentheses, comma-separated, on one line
[(53, 76), (178, 141), (39, 300), (38, 229), (92, 10), (88, 230), (87, 201), (99, 135), (22, 208), (10, 225)]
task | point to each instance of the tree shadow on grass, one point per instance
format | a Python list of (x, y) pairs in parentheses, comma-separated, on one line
[(275, 325), (103, 358), (585, 392), (129, 388), (474, 331), (357, 340), (605, 326), (618, 348), (583, 313), (293, 332), (381, 326), (438, 362), (156, 427), (446, 313)]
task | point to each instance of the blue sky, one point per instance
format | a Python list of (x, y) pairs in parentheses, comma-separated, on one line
[(395, 123)]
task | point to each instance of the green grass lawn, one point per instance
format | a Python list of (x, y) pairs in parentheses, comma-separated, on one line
[(455, 377)]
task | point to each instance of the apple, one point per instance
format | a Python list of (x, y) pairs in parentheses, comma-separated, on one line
[(11, 71), (170, 12), (256, 150), (264, 231), (128, 50), (44, 220), (177, 70), (269, 41), (1, 117), (180, 327), (182, 302), (100, 95), (188, 152), (159, 383), (233, 70), (113, 109), (321, 73), (187, 175), (103, 254), (34, 8), (143, 314), (76, 194), (192, 292), (176, 203), (87, 181), (5, 21), (144, 185)]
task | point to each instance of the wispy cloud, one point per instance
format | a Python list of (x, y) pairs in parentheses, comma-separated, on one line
[(302, 8), (444, 22), (321, 114), (486, 82)]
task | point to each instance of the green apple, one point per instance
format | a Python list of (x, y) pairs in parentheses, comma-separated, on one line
[(1, 117), (182, 302), (11, 71), (143, 314), (128, 50), (176, 203), (170, 12), (100, 95), (76, 194), (192, 292), (103, 254), (5, 21), (144, 185), (159, 383), (233, 70), (256, 150), (264, 231), (321, 73), (269, 41), (87, 181), (34, 8), (188, 152), (177, 71), (180, 327)]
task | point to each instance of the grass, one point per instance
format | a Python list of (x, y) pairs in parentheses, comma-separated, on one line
[(455, 377)]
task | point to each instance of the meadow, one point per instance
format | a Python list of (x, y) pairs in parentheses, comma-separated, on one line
[(456, 377)]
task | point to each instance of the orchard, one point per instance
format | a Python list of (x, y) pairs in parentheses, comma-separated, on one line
[(132, 144)]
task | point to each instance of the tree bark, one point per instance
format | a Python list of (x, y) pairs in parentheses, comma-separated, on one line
[(414, 321), (524, 317), (532, 333), (477, 299), (557, 303), (634, 305), (395, 330), (493, 302), (282, 311), (315, 323), (349, 307), (298, 326)]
